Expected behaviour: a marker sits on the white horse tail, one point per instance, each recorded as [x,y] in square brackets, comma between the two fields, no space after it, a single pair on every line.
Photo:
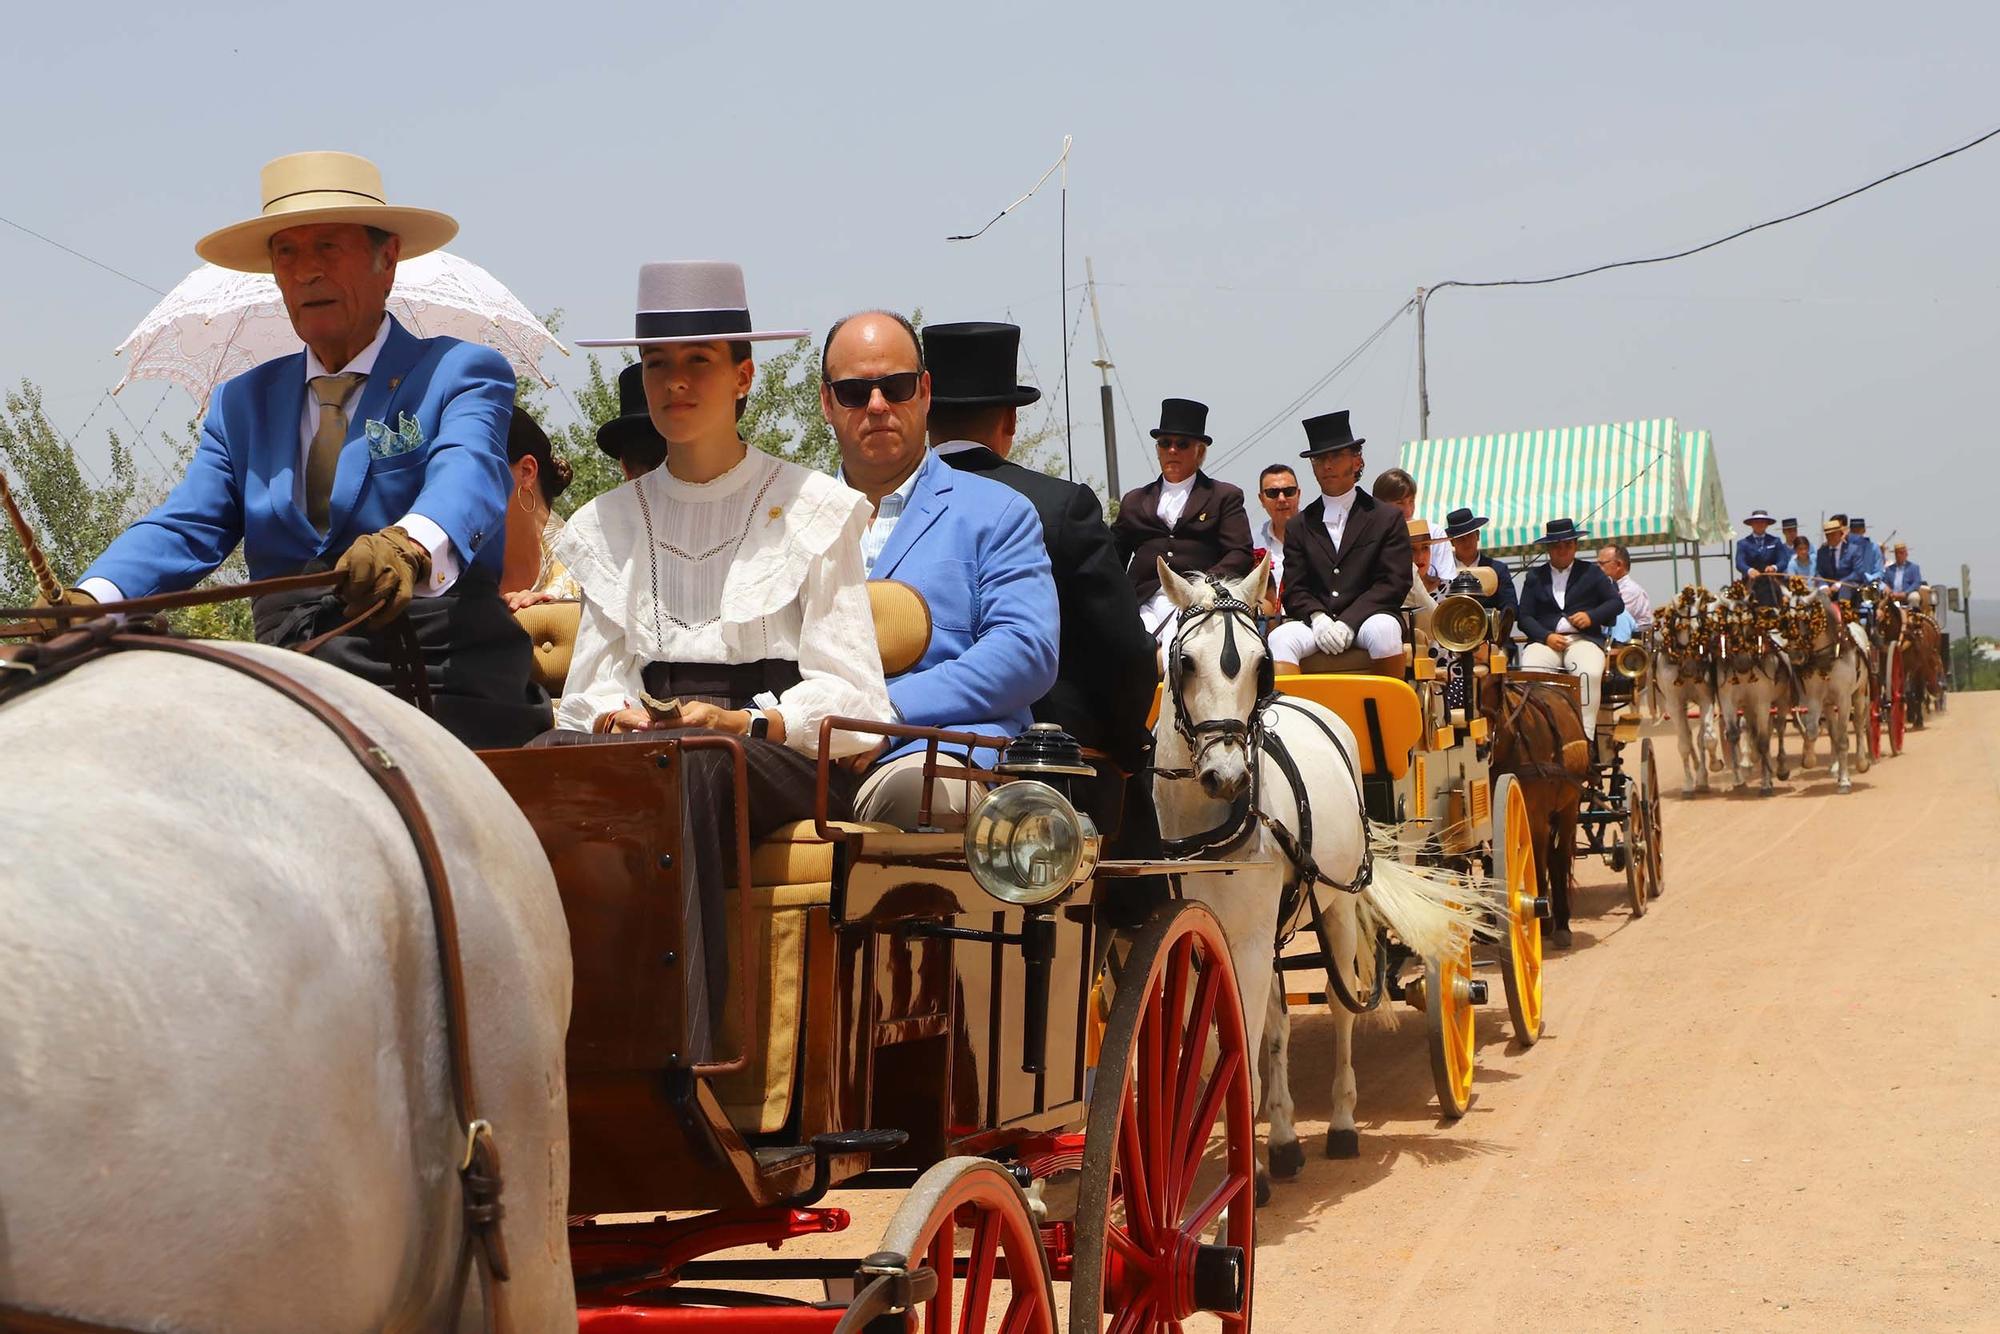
[1432,910]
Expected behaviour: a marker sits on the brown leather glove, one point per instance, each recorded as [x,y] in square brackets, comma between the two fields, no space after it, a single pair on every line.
[388,564]
[76,597]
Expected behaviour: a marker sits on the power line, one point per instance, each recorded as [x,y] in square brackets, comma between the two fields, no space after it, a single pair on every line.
[1723,240]
[80,255]
[1282,415]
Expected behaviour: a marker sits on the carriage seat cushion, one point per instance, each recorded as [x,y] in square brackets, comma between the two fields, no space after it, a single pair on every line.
[551,628]
[793,854]
[1398,713]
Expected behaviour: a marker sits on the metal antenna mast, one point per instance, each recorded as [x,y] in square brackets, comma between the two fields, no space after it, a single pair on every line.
[1103,364]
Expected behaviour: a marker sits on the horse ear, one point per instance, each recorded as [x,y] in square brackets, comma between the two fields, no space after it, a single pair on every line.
[1249,590]
[1180,590]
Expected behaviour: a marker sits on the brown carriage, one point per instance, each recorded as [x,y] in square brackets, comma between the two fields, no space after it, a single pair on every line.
[902,1015]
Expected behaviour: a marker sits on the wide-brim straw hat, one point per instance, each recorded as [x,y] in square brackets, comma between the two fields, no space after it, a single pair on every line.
[1420,530]
[692,301]
[302,189]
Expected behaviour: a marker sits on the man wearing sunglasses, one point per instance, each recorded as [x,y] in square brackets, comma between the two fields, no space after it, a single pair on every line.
[1278,493]
[971,546]
[1197,523]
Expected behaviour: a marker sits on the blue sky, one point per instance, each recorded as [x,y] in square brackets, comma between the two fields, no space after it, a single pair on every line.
[1260,186]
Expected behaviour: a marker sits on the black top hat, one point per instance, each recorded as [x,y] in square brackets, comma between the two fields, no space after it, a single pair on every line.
[1561,530]
[1327,433]
[1788,523]
[1857,522]
[1460,522]
[972,365]
[1183,416]
[634,422]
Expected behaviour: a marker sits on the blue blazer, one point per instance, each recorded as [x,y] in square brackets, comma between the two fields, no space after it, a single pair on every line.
[1590,590]
[241,482]
[974,549]
[1904,578]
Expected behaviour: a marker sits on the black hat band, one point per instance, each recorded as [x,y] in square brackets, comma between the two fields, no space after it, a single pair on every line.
[691,323]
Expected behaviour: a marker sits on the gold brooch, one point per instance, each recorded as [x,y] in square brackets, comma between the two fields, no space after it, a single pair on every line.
[1201,517]
[776,510]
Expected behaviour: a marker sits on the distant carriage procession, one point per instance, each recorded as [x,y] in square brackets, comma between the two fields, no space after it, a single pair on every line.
[904,893]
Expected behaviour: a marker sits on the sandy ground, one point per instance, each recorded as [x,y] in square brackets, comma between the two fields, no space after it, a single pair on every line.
[1766,1105]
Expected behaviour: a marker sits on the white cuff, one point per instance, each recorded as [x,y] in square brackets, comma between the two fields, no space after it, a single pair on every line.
[444,556]
[101,589]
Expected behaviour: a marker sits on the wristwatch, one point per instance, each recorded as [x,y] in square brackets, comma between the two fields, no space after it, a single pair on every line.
[760,723]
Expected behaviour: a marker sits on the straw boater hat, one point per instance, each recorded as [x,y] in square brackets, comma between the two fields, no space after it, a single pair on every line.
[306,188]
[1420,530]
[691,301]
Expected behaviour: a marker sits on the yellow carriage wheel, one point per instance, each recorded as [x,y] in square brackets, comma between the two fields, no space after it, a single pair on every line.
[1448,1016]
[1521,941]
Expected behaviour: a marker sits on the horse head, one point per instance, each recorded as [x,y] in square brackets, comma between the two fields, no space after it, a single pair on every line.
[1217,669]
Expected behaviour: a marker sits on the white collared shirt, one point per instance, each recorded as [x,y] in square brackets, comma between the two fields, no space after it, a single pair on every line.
[1274,547]
[1174,499]
[1559,589]
[883,525]
[444,557]
[1637,604]
[1337,509]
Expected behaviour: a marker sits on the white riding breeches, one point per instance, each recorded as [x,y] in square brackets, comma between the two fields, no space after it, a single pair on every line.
[1583,660]
[1380,636]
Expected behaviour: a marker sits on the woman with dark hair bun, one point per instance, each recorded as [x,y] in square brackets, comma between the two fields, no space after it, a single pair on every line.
[530,572]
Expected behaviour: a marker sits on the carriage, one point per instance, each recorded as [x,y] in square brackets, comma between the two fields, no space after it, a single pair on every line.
[1425,774]
[1620,820]
[910,1011]
[1888,688]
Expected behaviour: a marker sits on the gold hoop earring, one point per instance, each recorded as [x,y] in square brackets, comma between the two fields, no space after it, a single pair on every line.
[521,494]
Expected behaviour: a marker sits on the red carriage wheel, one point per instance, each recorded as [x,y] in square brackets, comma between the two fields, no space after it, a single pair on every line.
[1874,716]
[999,1282]
[1165,1220]
[1898,699]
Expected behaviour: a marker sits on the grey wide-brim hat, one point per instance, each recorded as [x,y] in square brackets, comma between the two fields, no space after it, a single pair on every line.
[692,301]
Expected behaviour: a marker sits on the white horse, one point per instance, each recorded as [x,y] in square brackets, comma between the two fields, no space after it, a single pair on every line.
[1751,680]
[225,1101]
[1683,677]
[1833,679]
[1203,733]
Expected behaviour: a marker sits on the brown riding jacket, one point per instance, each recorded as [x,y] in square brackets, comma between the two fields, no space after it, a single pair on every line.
[1213,534]
[1370,573]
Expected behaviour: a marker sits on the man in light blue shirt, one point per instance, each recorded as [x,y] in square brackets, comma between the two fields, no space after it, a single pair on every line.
[1903,577]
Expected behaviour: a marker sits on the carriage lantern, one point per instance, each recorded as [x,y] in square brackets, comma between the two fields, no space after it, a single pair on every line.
[1025,843]
[1460,622]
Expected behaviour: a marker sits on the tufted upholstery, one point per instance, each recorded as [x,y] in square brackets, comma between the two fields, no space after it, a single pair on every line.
[552,628]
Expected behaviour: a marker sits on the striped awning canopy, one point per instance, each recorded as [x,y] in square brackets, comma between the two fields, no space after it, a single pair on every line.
[1643,483]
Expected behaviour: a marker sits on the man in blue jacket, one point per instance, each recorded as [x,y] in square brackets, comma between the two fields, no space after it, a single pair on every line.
[1566,606]
[970,545]
[1761,559]
[1864,558]
[1461,529]
[372,452]
[1903,577]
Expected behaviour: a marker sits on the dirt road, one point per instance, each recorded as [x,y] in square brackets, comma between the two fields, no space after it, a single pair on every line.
[1770,1104]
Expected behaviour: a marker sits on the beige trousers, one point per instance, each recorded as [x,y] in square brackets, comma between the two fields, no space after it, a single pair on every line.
[1583,660]
[893,793]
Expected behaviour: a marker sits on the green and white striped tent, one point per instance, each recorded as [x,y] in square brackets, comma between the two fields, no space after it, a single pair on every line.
[1644,483]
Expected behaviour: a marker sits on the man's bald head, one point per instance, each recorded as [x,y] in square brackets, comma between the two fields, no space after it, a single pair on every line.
[881,440]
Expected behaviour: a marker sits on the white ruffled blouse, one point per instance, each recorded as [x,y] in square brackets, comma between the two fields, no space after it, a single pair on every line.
[763,562]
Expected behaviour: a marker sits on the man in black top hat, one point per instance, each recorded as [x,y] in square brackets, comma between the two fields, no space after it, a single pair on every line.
[1197,523]
[1105,671]
[1566,606]
[631,437]
[1347,561]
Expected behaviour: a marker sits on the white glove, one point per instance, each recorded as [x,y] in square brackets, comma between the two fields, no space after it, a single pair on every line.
[1332,636]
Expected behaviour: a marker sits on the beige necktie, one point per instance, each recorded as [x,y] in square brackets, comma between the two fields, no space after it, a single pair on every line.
[324,458]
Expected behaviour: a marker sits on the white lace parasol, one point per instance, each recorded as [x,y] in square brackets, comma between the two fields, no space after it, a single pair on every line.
[217,323]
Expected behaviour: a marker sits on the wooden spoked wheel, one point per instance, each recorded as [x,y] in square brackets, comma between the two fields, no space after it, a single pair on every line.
[1649,796]
[967,1222]
[1448,1020]
[1874,714]
[1634,828]
[1166,1225]
[1521,938]
[1898,699]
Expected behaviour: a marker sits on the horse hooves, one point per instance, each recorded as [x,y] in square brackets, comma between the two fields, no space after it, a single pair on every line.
[1687,793]
[1561,938]
[1343,1144]
[1263,1188]
[1287,1160]
[1843,786]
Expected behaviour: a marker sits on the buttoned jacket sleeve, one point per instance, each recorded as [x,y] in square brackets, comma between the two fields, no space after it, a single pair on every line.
[467,481]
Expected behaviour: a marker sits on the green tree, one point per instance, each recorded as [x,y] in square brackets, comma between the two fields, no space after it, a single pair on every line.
[72,515]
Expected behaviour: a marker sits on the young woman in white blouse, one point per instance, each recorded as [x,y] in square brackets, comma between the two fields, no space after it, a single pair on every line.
[728,580]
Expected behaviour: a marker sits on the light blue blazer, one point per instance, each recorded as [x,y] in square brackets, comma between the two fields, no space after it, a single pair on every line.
[974,549]
[241,484]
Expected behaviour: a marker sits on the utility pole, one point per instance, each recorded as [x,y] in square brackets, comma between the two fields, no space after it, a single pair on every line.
[1965,610]
[1423,378]
[1103,364]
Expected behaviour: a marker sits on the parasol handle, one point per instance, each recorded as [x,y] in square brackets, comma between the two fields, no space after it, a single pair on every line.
[45,582]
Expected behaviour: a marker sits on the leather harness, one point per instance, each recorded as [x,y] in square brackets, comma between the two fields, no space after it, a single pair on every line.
[25,667]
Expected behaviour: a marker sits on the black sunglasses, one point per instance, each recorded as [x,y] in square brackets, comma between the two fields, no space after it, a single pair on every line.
[898,388]
[1280,492]
[1176,446]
